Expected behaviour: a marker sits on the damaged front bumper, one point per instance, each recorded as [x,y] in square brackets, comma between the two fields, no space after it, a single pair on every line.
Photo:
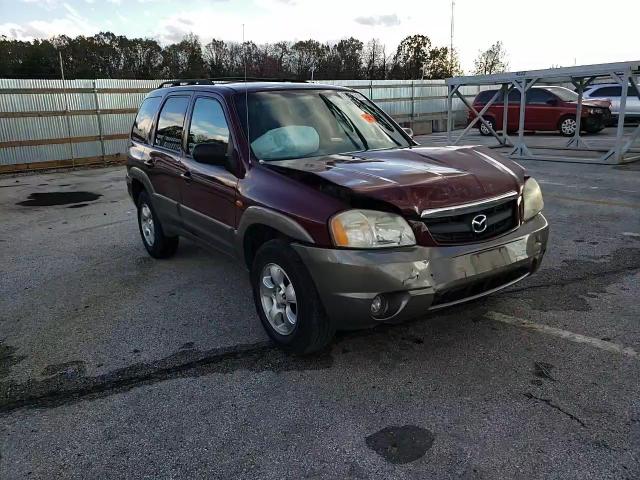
[413,280]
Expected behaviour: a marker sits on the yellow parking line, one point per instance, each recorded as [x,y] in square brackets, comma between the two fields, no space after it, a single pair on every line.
[572,337]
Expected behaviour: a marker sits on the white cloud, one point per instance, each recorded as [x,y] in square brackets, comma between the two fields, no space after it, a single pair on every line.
[382,20]
[71,24]
[45,29]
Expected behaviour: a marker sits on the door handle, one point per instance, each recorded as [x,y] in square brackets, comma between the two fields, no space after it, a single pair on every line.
[186,176]
[150,162]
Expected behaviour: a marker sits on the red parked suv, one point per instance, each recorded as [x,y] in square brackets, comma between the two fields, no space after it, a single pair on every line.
[547,109]
[342,220]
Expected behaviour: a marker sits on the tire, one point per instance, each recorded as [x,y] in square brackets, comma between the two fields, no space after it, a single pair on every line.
[158,244]
[300,326]
[484,130]
[567,126]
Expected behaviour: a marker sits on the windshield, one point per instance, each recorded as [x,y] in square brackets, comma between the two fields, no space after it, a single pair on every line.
[564,94]
[308,123]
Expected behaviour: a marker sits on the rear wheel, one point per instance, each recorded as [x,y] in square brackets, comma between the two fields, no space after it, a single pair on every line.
[568,126]
[158,244]
[483,128]
[287,300]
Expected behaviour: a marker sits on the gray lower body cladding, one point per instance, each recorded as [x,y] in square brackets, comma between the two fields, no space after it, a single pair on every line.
[414,280]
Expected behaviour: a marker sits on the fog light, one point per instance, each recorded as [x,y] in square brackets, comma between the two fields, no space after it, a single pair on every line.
[378,306]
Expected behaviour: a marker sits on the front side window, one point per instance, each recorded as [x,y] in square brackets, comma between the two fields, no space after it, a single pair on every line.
[514,96]
[171,122]
[144,119]
[309,123]
[208,124]
[486,95]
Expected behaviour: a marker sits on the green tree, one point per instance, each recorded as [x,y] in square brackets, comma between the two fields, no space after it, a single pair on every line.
[411,57]
[184,59]
[141,58]
[307,55]
[349,56]
[441,64]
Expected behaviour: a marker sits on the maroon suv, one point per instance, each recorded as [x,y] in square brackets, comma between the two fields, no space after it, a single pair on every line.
[546,109]
[341,218]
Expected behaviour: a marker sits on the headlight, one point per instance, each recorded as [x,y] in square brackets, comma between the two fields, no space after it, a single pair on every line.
[595,111]
[370,229]
[532,198]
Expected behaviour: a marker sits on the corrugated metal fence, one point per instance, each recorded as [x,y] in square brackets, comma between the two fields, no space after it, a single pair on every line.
[50,123]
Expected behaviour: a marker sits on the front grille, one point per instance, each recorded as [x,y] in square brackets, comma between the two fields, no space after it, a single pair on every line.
[458,228]
[478,287]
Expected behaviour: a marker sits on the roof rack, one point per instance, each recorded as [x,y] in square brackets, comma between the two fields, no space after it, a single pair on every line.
[215,80]
[186,81]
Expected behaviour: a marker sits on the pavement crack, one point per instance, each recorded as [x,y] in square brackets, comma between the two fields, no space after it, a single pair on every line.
[550,403]
[61,389]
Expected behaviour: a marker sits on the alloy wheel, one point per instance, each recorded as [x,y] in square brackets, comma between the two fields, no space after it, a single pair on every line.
[484,130]
[568,126]
[278,298]
[146,223]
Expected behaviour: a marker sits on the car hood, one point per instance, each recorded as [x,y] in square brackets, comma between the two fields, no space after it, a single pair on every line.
[593,103]
[414,179]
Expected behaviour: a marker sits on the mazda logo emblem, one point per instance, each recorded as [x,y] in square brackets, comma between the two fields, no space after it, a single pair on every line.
[479,223]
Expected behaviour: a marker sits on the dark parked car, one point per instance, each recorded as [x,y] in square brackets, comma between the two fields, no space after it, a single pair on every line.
[547,109]
[341,218]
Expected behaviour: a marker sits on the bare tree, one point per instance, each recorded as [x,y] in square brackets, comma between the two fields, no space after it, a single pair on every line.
[493,60]
[374,59]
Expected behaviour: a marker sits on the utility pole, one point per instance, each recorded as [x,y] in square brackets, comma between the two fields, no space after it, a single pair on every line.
[453,4]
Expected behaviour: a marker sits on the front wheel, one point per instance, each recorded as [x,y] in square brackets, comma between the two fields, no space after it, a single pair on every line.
[568,126]
[287,300]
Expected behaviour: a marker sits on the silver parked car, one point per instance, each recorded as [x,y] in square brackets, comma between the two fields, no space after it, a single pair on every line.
[613,91]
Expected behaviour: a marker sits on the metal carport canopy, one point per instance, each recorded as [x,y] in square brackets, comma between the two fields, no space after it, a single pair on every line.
[581,76]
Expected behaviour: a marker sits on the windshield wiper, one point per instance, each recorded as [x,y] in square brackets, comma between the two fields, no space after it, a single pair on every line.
[341,116]
[379,118]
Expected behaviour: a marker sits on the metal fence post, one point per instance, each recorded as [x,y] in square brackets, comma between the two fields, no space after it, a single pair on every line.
[413,102]
[450,91]
[99,118]
[624,83]
[67,113]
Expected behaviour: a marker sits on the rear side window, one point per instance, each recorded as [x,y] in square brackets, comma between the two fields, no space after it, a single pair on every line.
[539,96]
[171,123]
[144,119]
[208,124]
[607,92]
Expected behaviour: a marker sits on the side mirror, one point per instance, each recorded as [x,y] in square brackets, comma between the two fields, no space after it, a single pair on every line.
[211,153]
[552,101]
[408,131]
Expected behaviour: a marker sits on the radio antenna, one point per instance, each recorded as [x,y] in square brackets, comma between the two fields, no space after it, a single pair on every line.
[246,96]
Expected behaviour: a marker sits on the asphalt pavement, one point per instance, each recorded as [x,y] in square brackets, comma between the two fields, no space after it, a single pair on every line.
[115,365]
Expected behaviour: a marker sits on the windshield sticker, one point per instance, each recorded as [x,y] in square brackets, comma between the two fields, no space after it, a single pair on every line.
[368,118]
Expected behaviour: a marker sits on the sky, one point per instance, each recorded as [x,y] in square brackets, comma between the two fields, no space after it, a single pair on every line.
[538,34]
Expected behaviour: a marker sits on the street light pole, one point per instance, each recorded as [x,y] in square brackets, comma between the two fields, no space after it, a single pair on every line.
[453,4]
